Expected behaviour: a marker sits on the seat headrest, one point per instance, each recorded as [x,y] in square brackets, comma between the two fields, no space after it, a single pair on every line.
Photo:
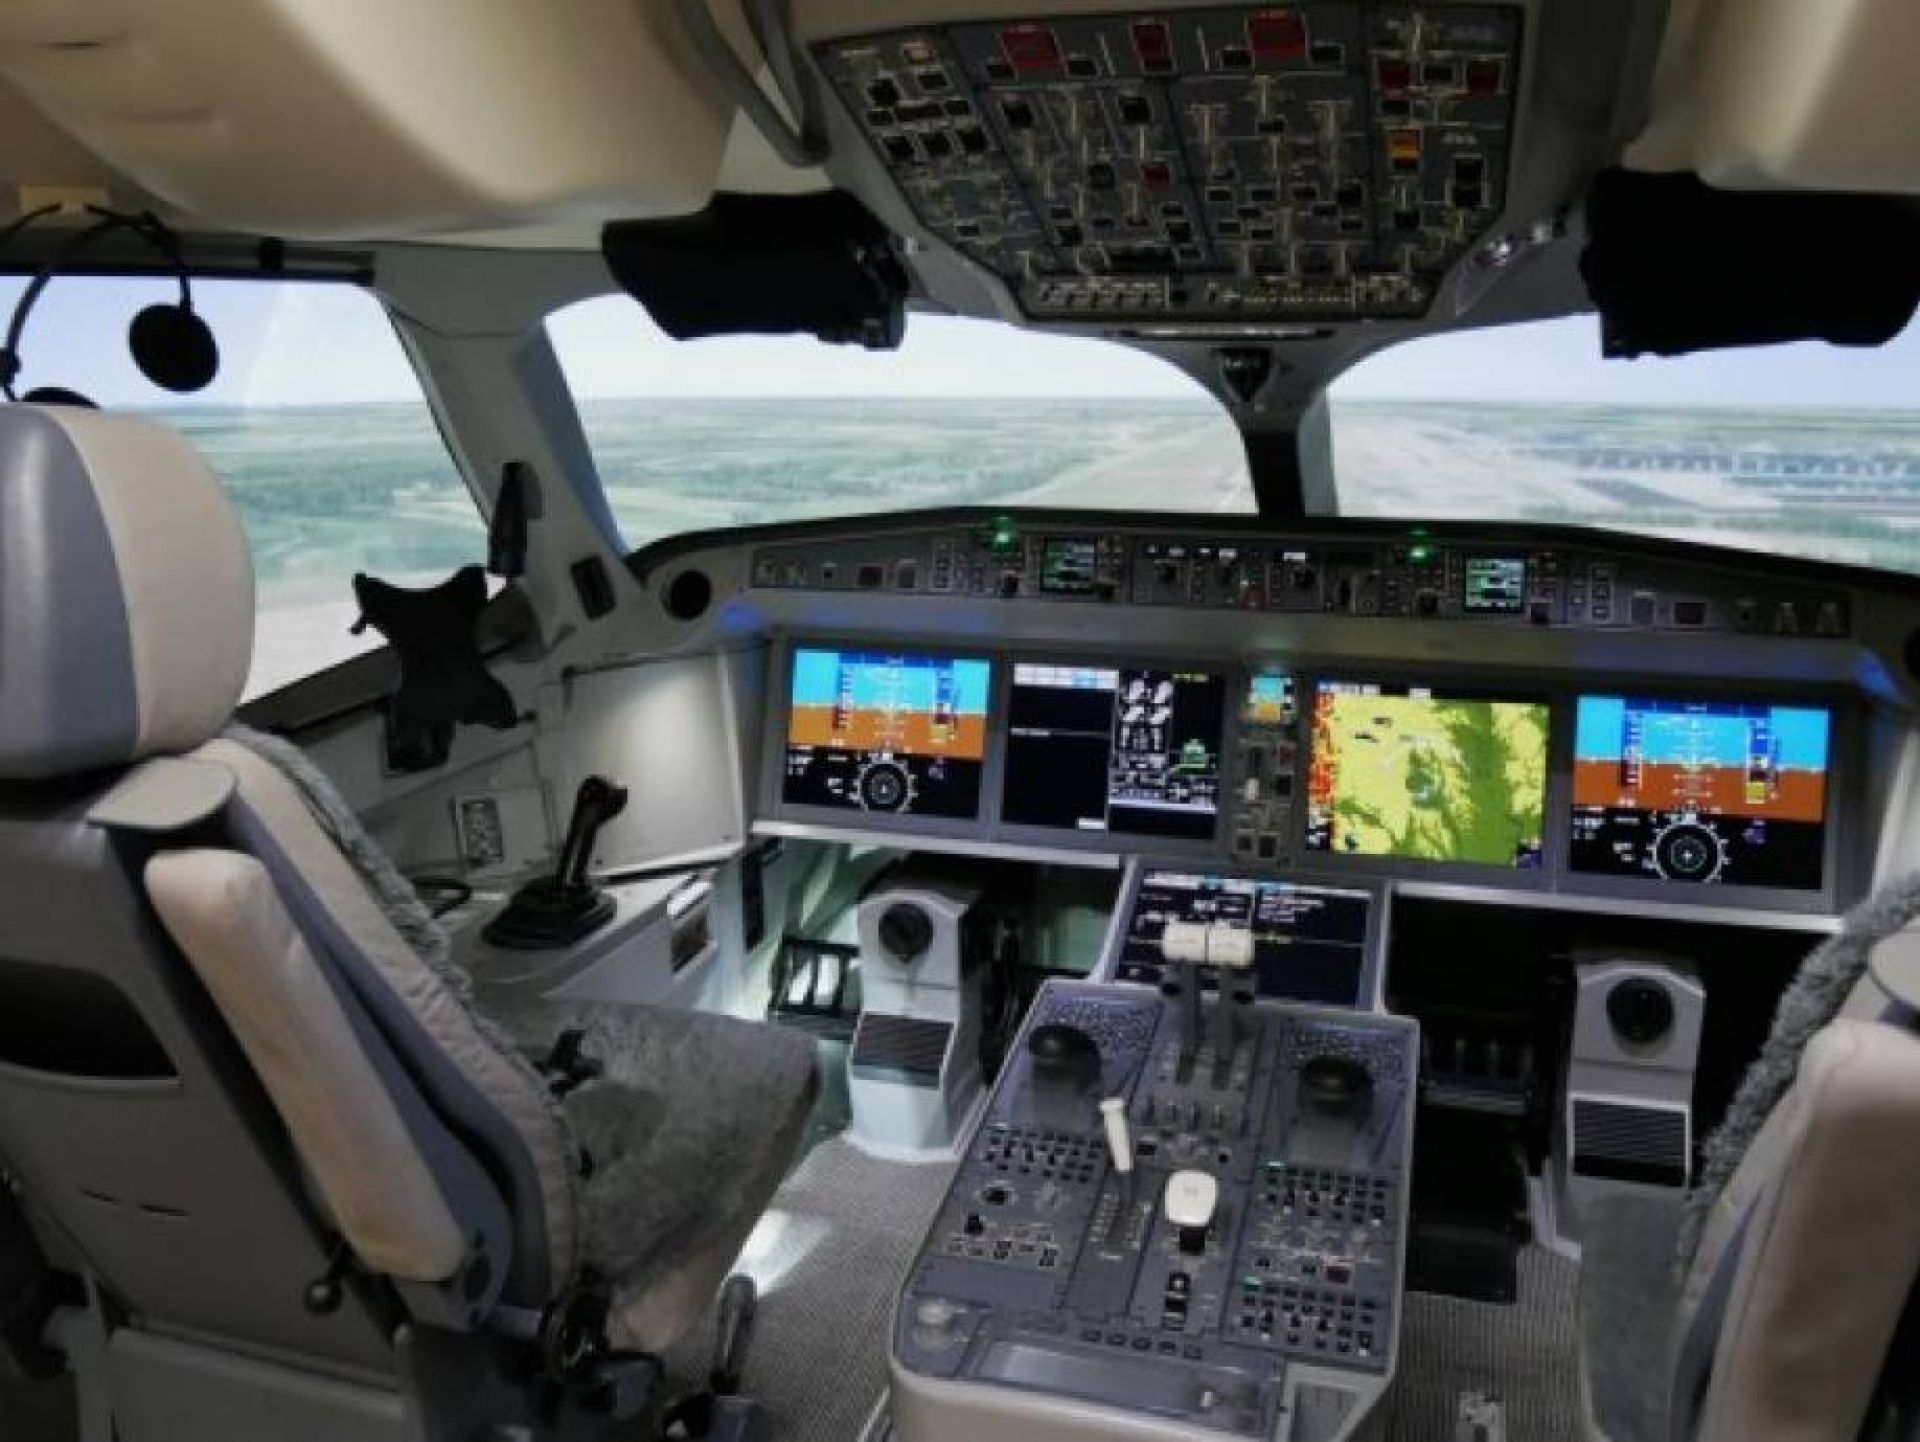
[126,593]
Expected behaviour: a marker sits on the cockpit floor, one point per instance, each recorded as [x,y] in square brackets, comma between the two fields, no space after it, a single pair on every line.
[828,1257]
[1524,1355]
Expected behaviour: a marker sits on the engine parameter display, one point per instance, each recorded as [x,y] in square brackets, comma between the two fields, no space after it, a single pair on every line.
[887,732]
[1700,791]
[1309,942]
[1129,750]
[1426,774]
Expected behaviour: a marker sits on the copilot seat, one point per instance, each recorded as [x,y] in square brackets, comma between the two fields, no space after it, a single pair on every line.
[282,1179]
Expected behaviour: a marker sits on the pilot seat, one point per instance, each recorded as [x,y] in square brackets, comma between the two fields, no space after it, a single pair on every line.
[280,1177]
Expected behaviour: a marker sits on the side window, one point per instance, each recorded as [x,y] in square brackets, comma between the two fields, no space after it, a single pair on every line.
[317,426]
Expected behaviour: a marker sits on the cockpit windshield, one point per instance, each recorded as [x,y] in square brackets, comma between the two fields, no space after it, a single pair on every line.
[744,431]
[1802,450]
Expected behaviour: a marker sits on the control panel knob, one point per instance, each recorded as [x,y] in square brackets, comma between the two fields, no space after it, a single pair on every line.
[905,932]
[936,1314]
[1336,1085]
[1640,1011]
[1064,1056]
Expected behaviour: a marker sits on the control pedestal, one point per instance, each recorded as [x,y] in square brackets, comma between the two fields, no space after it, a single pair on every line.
[1168,1231]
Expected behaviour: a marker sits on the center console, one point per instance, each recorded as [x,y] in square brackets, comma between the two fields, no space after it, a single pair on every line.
[1183,1216]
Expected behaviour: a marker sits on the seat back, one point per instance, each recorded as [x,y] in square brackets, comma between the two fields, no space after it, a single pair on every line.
[1793,1302]
[146,1152]
[225,1067]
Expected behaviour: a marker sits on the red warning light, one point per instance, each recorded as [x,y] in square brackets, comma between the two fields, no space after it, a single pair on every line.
[1153,43]
[1032,49]
[1277,35]
[1156,174]
[1395,77]
[1485,78]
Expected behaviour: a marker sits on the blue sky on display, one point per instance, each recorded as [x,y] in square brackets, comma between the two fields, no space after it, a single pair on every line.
[293,344]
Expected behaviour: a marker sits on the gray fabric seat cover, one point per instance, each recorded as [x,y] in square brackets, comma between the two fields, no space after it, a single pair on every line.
[1628,1285]
[685,1137]
[680,1142]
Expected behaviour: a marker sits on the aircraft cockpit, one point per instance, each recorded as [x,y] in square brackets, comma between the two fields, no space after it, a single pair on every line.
[823,722]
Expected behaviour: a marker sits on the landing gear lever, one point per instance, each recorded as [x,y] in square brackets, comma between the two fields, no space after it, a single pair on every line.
[566,907]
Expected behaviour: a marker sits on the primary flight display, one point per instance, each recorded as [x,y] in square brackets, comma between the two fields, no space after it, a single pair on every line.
[1732,792]
[1426,774]
[887,732]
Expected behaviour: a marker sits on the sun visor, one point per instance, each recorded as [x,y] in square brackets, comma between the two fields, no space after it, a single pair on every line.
[1675,266]
[815,264]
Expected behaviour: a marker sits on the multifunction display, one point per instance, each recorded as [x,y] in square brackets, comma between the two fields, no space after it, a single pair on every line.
[1128,750]
[1495,585]
[1427,774]
[887,732]
[1701,791]
[1309,942]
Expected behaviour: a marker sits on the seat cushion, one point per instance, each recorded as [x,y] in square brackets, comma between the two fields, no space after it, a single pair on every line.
[1628,1283]
[686,1136]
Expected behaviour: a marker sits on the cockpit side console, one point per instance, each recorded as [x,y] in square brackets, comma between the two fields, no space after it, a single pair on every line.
[1175,1221]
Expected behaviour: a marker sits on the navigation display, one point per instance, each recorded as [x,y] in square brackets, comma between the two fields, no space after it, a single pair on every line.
[1700,791]
[1495,585]
[1120,749]
[1427,774]
[1309,942]
[887,732]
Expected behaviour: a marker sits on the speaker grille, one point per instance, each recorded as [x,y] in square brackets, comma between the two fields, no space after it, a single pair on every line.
[903,1047]
[1623,1142]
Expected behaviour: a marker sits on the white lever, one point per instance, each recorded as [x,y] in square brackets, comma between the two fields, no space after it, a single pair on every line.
[1190,1202]
[1113,1111]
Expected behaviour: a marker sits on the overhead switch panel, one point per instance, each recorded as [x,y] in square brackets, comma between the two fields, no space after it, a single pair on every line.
[1322,161]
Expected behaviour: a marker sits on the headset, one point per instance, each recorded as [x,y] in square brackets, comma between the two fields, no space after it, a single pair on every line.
[170,343]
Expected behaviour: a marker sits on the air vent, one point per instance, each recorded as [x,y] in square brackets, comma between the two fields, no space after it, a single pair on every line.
[901,1047]
[688,595]
[1626,1142]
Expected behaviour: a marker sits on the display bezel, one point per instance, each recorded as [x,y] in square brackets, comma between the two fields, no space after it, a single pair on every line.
[1559,688]
[1841,800]
[774,741]
[1232,675]
[1559,778]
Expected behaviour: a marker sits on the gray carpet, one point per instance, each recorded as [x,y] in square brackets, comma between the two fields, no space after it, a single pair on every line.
[1525,1355]
[829,1257]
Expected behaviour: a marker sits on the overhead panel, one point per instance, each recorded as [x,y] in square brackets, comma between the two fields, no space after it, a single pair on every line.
[1316,161]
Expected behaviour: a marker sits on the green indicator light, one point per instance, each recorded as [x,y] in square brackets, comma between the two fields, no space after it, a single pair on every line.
[1252,1284]
[1276,1166]
[1420,555]
[1004,536]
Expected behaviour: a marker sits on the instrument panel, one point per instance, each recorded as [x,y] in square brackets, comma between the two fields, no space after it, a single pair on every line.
[1417,574]
[1553,787]
[1323,160]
